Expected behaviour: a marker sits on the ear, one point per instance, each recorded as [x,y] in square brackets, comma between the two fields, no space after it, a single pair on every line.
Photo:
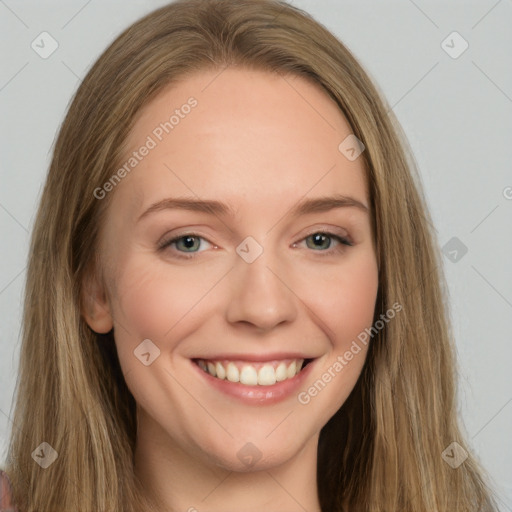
[95,305]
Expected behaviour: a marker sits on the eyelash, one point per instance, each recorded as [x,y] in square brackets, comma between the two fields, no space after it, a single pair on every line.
[344,243]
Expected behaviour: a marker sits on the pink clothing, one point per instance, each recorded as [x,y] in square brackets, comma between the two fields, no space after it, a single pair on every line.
[6,498]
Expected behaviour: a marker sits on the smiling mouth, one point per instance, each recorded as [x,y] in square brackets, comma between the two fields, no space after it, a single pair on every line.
[253,373]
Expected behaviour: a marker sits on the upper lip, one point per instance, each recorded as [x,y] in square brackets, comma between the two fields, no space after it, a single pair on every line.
[257,358]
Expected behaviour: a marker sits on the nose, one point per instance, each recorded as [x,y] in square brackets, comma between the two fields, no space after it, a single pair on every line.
[261,293]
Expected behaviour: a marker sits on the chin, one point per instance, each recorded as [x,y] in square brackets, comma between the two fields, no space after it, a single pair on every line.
[258,454]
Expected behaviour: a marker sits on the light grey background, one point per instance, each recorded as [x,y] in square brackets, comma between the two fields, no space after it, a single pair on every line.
[456,112]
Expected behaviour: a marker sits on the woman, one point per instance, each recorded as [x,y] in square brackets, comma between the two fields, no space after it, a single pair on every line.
[266,370]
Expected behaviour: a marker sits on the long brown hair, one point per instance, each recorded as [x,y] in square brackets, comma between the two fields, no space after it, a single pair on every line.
[382,451]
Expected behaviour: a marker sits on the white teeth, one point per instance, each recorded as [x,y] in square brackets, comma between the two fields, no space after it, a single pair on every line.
[281,373]
[211,368]
[247,374]
[221,372]
[266,376]
[292,370]
[232,373]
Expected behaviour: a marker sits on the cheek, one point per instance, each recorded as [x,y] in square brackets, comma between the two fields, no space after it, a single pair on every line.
[348,313]
[345,298]
[151,298]
[140,299]
[345,309]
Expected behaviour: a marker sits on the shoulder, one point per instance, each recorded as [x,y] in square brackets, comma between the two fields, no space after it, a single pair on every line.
[6,498]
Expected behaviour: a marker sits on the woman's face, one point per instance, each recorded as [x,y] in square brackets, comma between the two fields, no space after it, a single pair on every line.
[254,282]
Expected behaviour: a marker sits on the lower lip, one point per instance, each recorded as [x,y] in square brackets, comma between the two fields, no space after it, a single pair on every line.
[258,395]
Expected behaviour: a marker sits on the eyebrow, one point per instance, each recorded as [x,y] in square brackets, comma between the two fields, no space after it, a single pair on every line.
[316,205]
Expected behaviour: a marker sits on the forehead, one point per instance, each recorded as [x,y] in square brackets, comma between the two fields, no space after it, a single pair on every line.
[244,136]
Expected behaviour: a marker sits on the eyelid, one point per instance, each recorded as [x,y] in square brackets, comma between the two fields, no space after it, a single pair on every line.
[330,230]
[344,241]
[167,240]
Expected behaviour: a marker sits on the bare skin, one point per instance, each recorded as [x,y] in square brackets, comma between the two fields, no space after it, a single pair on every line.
[260,145]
